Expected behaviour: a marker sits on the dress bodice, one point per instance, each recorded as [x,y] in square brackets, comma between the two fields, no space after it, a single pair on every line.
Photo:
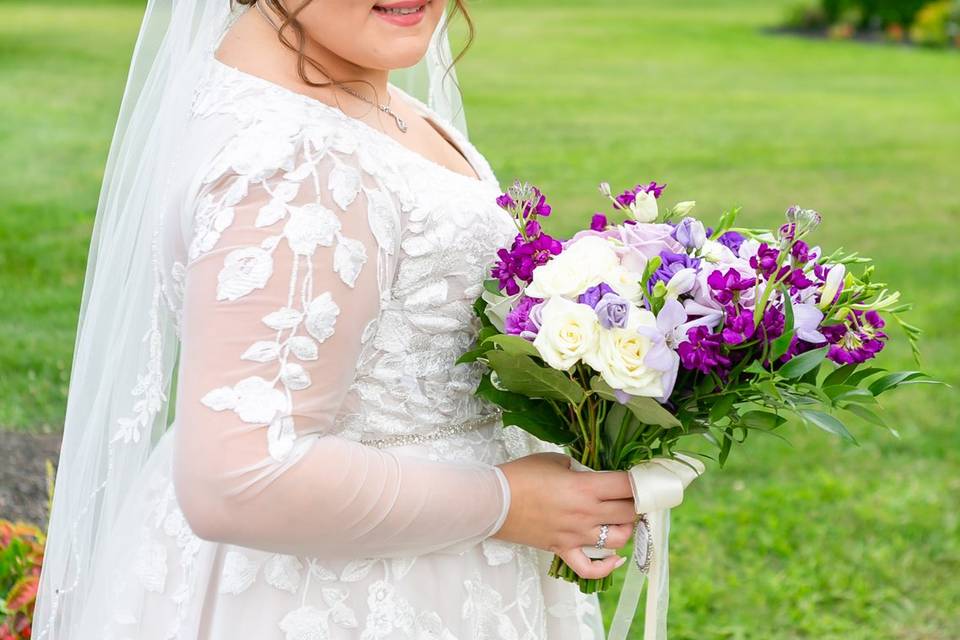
[442,228]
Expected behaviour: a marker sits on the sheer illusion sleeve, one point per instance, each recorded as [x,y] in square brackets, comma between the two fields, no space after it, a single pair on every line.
[284,280]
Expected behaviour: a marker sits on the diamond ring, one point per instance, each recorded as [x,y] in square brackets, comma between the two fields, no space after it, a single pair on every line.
[602,540]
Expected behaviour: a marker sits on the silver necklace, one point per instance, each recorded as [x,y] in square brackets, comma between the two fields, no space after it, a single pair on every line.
[401,123]
[385,108]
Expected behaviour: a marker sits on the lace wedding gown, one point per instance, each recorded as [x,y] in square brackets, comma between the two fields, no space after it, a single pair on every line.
[328,473]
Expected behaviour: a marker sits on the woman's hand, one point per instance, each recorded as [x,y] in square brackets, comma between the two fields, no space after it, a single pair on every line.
[555,508]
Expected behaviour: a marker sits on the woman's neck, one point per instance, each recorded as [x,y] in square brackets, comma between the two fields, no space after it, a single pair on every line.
[254,33]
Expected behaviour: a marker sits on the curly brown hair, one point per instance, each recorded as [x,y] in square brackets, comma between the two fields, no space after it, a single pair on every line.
[289,23]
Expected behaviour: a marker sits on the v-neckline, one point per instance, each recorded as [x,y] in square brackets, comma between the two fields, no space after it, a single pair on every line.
[432,118]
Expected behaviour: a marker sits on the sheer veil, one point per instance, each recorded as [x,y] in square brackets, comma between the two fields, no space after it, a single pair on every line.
[127,339]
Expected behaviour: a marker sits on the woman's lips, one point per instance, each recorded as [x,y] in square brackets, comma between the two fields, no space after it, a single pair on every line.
[405,13]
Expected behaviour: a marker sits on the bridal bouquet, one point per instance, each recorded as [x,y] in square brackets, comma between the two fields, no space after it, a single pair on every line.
[646,330]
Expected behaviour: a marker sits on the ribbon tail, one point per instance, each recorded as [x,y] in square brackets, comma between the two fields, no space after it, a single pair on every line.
[627,604]
[658,585]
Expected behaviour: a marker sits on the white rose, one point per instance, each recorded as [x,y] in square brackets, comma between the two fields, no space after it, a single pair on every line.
[644,207]
[620,353]
[568,332]
[579,266]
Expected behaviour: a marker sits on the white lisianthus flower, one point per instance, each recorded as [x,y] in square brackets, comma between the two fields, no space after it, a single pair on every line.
[568,332]
[626,283]
[685,207]
[644,207]
[681,282]
[832,285]
[498,306]
[621,353]
[713,251]
[580,265]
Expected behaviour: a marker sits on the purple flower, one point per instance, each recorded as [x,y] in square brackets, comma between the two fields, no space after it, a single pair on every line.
[800,252]
[537,205]
[598,222]
[592,295]
[857,339]
[766,260]
[690,233]
[731,240]
[521,259]
[670,264]
[702,351]
[520,321]
[772,323]
[799,280]
[727,286]
[505,201]
[629,196]
[738,325]
[612,311]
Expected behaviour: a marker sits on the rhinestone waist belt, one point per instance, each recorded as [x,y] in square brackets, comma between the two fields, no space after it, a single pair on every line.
[440,432]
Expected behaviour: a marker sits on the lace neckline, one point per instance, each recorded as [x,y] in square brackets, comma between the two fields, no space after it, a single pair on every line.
[444,127]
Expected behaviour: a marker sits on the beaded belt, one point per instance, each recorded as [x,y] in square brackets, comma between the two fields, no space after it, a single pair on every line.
[441,432]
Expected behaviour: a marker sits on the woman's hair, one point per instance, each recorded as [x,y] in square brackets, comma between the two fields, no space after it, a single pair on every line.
[289,23]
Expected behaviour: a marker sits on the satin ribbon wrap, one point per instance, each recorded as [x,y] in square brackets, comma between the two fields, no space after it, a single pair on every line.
[658,486]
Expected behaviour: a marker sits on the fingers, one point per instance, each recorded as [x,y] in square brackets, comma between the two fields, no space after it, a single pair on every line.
[610,485]
[617,536]
[591,569]
[614,511]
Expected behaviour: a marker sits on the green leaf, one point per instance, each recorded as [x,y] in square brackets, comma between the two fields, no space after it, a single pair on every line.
[725,445]
[520,374]
[779,346]
[472,355]
[722,407]
[860,375]
[513,344]
[761,420]
[554,430]
[493,286]
[647,410]
[803,363]
[826,422]
[839,375]
[892,380]
[861,396]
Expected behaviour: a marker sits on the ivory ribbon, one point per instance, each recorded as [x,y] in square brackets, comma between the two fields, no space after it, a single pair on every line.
[658,486]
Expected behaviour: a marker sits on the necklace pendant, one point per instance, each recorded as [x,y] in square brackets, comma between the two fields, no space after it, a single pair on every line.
[401,124]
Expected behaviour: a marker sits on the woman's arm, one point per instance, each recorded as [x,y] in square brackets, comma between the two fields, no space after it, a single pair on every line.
[284,280]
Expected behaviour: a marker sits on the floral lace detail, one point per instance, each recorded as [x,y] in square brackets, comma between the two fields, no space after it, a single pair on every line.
[425,221]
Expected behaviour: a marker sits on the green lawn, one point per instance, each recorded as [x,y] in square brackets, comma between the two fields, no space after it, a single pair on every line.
[811,540]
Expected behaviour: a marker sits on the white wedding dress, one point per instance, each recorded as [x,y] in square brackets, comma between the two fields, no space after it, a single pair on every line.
[329,472]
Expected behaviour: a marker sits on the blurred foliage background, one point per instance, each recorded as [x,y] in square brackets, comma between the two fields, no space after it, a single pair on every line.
[808,539]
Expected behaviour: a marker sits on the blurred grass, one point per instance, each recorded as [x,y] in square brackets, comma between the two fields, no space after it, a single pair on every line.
[811,540]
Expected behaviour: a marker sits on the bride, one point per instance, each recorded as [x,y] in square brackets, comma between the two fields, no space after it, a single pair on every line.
[286,252]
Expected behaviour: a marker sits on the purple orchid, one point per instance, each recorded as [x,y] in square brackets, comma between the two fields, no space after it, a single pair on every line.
[703,351]
[737,326]
[766,260]
[598,222]
[726,287]
[629,196]
[857,339]
[522,258]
